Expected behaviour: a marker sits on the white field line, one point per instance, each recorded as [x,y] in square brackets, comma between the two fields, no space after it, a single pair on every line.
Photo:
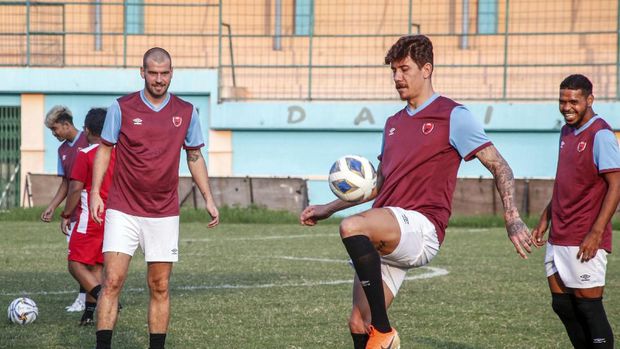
[432,272]
[272,237]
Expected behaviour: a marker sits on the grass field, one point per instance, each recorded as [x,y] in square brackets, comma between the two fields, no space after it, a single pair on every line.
[286,286]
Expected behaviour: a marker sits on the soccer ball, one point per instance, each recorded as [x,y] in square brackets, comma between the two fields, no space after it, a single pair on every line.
[22,311]
[352,178]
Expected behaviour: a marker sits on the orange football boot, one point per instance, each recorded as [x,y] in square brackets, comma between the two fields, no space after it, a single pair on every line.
[378,340]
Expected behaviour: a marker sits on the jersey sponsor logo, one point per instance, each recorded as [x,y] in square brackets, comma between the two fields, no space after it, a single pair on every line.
[581,146]
[177,121]
[137,121]
[584,278]
[392,131]
[428,128]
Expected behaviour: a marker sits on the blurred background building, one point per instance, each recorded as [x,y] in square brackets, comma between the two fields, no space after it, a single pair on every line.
[284,87]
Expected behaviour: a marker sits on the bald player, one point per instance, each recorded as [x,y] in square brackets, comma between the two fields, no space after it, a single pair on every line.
[149,128]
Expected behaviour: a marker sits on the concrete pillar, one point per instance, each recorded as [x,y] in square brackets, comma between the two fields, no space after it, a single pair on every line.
[220,153]
[32,142]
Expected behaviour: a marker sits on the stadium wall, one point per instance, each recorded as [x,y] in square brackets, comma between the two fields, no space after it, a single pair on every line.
[275,138]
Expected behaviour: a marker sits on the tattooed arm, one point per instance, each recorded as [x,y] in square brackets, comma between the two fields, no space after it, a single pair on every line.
[518,232]
[200,175]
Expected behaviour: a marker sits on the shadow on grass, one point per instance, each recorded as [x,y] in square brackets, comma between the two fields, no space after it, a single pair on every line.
[443,344]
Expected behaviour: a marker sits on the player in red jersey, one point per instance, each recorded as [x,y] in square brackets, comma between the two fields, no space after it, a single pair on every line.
[585,196]
[84,255]
[423,146]
[149,129]
[60,121]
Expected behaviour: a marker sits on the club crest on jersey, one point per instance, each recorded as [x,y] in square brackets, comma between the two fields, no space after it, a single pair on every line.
[428,128]
[177,121]
[581,146]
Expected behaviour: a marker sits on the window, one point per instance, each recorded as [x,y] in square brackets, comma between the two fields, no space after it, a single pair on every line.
[487,16]
[134,17]
[304,17]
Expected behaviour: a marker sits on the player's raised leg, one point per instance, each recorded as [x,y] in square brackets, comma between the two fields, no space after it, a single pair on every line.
[366,237]
[115,269]
[159,304]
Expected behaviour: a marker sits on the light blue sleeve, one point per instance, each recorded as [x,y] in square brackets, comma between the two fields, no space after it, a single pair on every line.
[466,133]
[112,125]
[60,170]
[606,151]
[193,138]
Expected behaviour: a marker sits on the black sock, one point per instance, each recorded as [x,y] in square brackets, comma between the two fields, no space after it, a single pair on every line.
[593,313]
[104,339]
[157,340]
[89,310]
[359,340]
[95,291]
[367,263]
[82,289]
[563,306]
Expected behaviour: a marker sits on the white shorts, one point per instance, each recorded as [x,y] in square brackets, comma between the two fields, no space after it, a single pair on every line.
[158,237]
[417,247]
[574,273]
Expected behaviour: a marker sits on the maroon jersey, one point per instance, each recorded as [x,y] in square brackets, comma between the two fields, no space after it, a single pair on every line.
[67,152]
[579,189]
[148,150]
[421,157]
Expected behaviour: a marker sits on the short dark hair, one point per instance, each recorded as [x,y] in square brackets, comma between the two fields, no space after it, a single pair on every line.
[577,82]
[94,120]
[418,47]
[157,54]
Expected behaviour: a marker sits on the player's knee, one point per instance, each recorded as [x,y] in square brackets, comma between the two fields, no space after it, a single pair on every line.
[113,284]
[351,226]
[158,286]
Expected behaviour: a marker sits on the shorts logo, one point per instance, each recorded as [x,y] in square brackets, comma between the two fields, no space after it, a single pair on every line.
[174,251]
[581,146]
[405,219]
[585,278]
[137,121]
[177,121]
[428,128]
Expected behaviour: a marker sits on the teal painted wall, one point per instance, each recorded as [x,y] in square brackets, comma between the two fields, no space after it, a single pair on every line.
[292,138]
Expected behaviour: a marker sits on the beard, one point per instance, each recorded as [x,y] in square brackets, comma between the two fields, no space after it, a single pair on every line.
[155,93]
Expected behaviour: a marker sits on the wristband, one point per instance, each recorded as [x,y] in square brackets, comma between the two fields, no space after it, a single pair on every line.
[65,216]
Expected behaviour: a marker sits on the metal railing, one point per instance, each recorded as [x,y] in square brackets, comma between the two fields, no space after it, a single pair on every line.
[497,50]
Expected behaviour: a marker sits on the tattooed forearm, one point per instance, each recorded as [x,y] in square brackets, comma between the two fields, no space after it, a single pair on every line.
[504,179]
[193,155]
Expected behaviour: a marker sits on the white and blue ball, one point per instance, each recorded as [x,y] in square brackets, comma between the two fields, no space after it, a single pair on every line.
[23,311]
[352,178]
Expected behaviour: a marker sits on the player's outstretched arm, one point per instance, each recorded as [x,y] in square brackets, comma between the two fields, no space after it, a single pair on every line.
[100,166]
[200,175]
[73,198]
[538,233]
[314,213]
[61,193]
[592,242]
[518,232]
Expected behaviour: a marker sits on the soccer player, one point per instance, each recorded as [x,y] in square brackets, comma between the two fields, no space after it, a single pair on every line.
[149,128]
[423,145]
[85,259]
[60,121]
[585,196]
